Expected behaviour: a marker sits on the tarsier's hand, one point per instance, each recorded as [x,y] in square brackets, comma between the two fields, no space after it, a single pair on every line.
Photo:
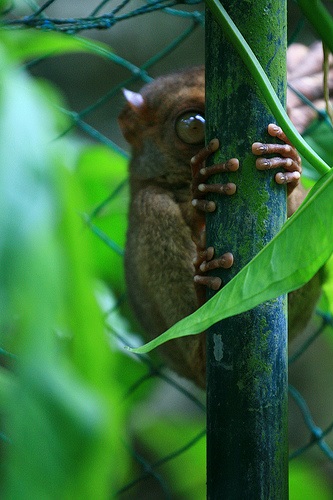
[205,257]
[305,75]
[287,158]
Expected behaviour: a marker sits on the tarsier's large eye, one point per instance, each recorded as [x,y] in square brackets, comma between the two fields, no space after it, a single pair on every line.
[190,127]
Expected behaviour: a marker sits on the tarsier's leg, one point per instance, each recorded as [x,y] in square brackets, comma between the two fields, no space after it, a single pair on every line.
[287,158]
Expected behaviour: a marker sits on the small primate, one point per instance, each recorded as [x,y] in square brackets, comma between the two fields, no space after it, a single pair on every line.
[165,258]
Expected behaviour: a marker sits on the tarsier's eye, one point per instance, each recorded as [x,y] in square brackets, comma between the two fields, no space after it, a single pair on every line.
[190,127]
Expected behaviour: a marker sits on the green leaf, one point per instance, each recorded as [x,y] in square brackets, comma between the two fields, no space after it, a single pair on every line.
[320,137]
[326,302]
[3,5]
[320,18]
[57,420]
[307,482]
[102,174]
[25,45]
[165,439]
[294,255]
[61,413]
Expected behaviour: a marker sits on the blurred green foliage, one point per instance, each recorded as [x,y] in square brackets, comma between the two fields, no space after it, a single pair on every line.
[319,137]
[307,483]
[100,171]
[60,396]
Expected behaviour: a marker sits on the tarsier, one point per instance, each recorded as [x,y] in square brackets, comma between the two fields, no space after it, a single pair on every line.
[165,261]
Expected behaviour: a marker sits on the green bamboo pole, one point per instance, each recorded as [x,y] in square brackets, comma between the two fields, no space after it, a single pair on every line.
[247,354]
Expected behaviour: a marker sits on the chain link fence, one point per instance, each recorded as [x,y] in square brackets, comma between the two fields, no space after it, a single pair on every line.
[141,40]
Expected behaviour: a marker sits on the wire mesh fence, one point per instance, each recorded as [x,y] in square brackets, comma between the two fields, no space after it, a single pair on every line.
[152,393]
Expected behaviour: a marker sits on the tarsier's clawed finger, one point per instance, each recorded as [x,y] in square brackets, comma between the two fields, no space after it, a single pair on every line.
[201,173]
[223,262]
[209,263]
[210,206]
[276,131]
[198,160]
[288,158]
[212,282]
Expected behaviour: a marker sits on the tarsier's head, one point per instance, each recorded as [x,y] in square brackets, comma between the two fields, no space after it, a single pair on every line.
[165,122]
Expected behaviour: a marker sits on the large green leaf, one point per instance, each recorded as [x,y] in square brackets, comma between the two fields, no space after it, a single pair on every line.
[296,253]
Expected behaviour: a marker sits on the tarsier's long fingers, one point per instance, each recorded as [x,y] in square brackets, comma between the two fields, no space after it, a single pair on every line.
[289,158]
[198,160]
[223,262]
[208,263]
[200,174]
[205,260]
[210,206]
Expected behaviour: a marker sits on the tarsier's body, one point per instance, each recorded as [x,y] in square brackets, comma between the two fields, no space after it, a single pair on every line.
[163,221]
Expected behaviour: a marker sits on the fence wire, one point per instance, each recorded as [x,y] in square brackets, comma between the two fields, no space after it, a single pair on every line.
[104,16]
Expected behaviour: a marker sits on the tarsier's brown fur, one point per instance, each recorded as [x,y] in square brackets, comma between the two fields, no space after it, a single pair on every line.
[160,250]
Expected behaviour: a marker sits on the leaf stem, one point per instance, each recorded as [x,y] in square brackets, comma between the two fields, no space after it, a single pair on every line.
[320,19]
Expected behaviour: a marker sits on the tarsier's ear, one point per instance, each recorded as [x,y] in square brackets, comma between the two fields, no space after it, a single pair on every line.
[131,116]
[134,99]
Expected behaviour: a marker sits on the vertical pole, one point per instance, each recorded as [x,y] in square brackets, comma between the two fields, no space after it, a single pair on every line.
[247,354]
